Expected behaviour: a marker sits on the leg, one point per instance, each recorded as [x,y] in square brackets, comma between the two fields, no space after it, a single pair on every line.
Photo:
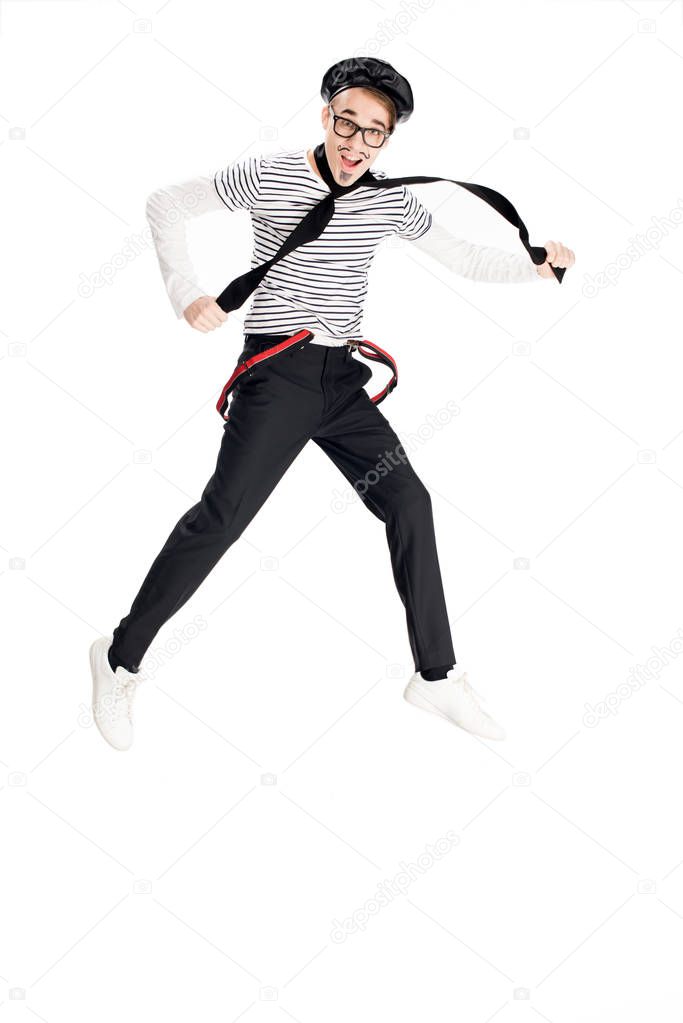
[269,424]
[362,444]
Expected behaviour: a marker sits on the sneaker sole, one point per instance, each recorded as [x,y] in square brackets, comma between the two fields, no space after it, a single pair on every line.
[94,655]
[415,697]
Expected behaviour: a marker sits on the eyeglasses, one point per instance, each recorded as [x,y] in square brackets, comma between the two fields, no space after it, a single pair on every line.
[346,129]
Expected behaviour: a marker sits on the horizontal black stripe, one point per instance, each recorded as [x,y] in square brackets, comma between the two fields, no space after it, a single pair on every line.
[322,284]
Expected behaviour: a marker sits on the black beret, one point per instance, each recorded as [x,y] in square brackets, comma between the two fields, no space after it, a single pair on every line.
[369,72]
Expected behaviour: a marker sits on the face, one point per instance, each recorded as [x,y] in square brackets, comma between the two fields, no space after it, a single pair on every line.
[360,106]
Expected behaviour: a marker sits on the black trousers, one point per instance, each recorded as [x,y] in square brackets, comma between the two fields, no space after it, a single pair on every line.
[314,392]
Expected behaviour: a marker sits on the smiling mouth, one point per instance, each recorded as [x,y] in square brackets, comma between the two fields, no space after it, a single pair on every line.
[349,164]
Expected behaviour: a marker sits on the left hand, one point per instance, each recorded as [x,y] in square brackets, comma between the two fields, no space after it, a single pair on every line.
[558,255]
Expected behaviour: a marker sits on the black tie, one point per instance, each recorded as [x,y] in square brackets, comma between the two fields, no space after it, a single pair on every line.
[317,219]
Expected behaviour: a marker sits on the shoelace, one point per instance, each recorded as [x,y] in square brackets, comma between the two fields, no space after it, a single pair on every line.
[131,689]
[124,692]
[470,691]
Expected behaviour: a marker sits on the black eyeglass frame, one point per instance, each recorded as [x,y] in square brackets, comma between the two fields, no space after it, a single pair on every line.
[357,127]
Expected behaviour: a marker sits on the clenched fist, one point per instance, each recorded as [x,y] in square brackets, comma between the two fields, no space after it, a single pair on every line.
[205,314]
[558,255]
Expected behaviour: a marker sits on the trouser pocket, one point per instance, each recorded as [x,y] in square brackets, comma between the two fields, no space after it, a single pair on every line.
[250,348]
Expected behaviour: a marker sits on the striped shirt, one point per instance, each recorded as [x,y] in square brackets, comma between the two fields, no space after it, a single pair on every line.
[322,285]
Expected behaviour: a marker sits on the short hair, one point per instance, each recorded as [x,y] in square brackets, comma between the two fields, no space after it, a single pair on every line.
[386,102]
[381,97]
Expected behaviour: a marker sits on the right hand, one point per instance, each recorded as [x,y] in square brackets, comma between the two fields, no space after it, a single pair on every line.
[205,314]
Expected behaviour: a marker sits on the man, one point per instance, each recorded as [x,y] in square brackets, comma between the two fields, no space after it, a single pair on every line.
[313,391]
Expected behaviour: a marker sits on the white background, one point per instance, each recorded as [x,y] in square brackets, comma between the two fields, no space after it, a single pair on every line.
[277,776]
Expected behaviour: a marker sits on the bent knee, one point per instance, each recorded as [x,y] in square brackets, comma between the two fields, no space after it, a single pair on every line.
[414,497]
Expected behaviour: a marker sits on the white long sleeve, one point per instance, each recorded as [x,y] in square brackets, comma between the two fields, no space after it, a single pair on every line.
[478,262]
[167,211]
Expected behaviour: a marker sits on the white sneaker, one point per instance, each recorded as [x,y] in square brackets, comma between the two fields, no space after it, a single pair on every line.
[455,699]
[112,696]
